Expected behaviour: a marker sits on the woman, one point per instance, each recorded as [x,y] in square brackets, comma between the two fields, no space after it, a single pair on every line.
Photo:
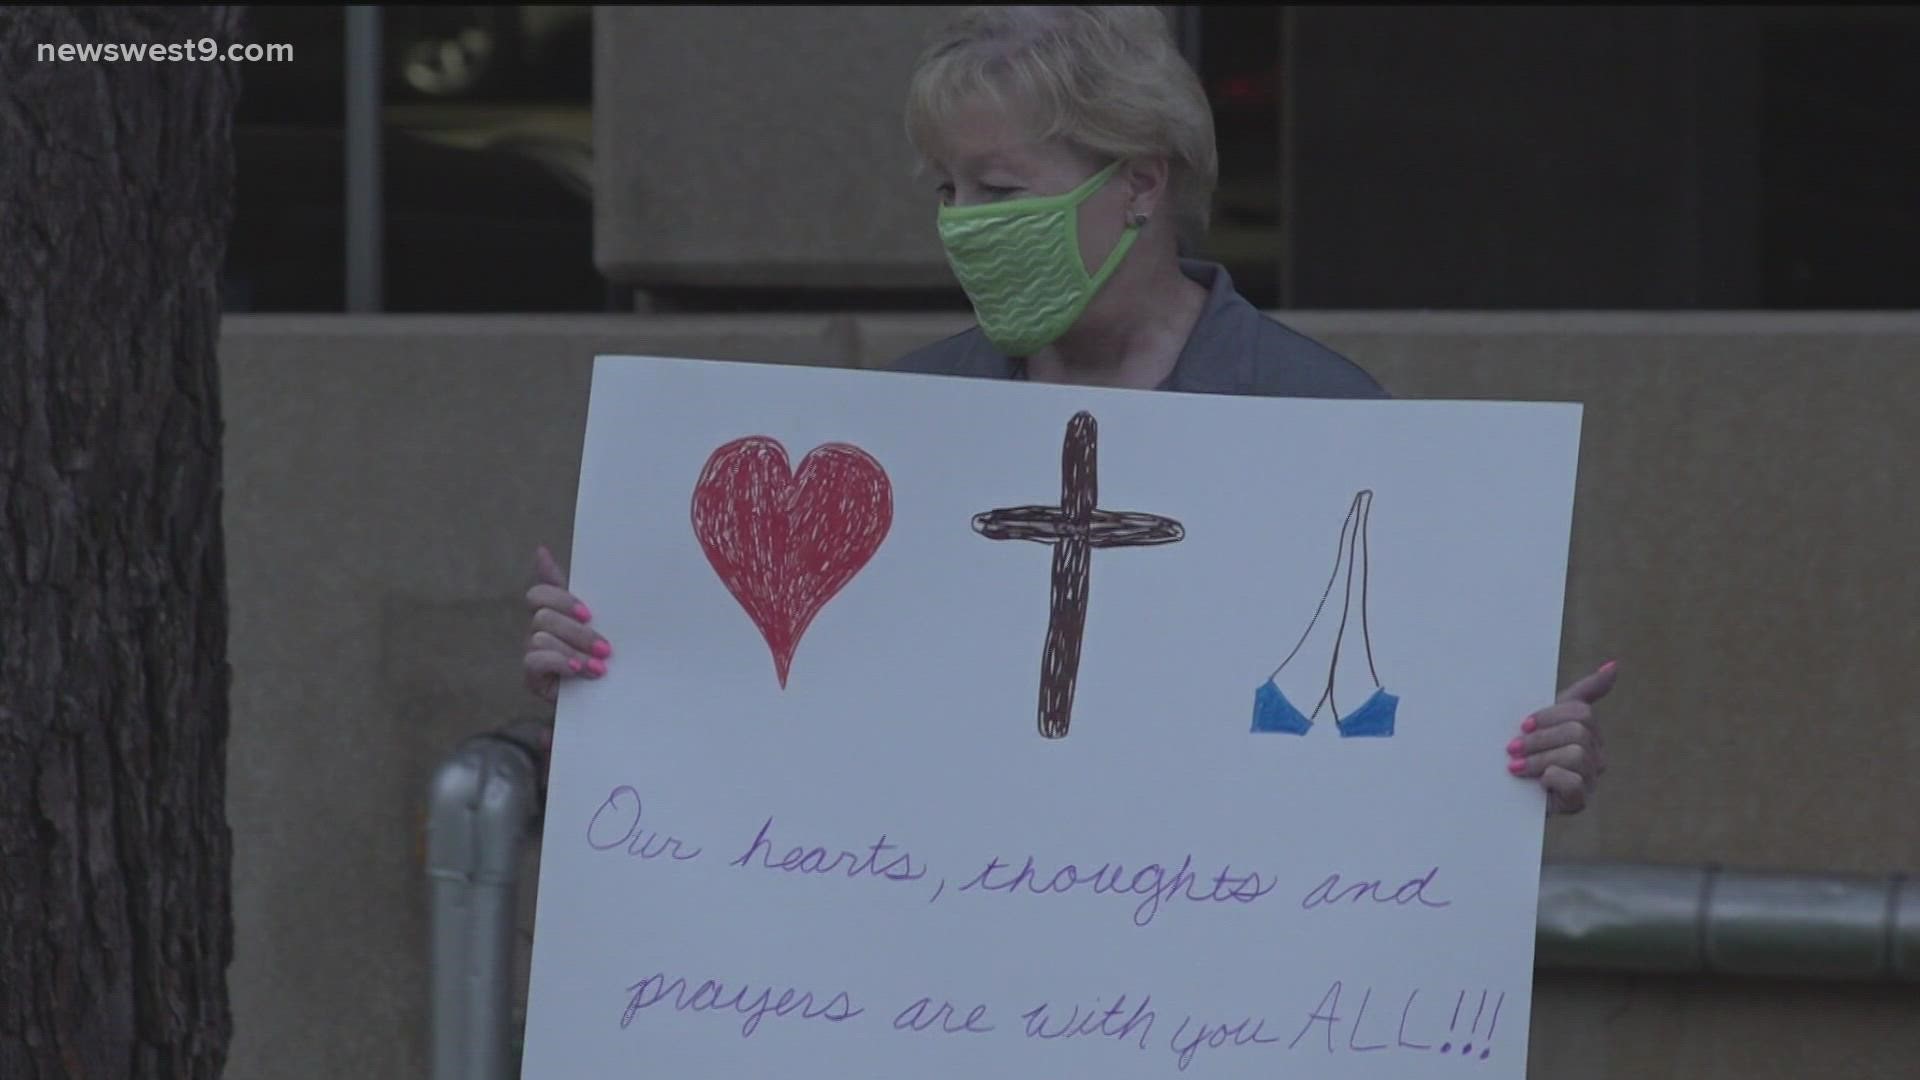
[1072,149]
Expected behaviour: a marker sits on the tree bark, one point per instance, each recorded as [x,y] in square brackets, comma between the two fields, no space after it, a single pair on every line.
[116,180]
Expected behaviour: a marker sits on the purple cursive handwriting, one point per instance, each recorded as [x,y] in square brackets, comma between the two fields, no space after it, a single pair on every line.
[1214,1036]
[617,824]
[1044,1021]
[819,860]
[713,996]
[1334,891]
[1154,882]
[924,1015]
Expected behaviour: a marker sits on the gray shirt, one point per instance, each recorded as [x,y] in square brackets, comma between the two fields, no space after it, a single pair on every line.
[1234,349]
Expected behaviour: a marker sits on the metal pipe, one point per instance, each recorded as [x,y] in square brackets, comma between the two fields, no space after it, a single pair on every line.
[1706,920]
[483,804]
[365,223]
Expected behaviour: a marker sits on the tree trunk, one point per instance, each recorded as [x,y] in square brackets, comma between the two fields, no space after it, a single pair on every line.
[116,180]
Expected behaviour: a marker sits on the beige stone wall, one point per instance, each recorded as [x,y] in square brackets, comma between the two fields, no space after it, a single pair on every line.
[1743,543]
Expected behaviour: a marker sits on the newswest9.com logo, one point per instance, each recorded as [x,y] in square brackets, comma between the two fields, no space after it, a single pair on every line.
[199,50]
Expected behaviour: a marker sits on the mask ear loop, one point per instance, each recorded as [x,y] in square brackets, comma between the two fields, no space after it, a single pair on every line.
[1338,552]
[1356,516]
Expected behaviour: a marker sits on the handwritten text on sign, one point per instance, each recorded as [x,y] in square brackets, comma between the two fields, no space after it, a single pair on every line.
[618,827]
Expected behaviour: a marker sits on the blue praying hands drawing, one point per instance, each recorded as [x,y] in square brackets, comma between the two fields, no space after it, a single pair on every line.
[1374,718]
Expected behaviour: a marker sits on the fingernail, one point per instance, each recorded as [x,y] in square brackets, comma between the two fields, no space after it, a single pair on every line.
[602,650]
[1608,666]
[1515,765]
[580,612]
[597,668]
[573,666]
[1513,749]
[1529,724]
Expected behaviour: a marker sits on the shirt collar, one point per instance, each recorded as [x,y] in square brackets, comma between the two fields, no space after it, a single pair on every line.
[1213,360]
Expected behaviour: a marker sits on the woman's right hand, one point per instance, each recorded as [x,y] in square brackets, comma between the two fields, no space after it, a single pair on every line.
[560,644]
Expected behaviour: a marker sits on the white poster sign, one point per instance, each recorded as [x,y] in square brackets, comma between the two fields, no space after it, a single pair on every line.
[961,728]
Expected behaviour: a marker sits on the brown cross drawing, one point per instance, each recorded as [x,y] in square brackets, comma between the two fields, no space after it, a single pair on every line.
[1074,528]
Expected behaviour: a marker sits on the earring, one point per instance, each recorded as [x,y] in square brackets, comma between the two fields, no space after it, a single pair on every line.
[1137,219]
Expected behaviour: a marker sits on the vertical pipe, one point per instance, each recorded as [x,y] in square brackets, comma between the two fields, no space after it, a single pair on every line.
[483,803]
[456,788]
[365,227]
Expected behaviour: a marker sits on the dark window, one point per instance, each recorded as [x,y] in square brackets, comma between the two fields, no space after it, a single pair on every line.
[1780,168]
[487,146]
[1840,160]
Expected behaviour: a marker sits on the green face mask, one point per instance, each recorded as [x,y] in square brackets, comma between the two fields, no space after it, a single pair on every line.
[1019,262]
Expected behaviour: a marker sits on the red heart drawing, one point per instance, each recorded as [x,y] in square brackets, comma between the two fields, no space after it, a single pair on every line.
[785,543]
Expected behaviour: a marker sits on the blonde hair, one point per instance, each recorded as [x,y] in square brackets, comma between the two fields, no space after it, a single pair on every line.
[1108,81]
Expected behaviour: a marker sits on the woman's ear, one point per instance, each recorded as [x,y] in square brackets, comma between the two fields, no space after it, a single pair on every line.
[1146,180]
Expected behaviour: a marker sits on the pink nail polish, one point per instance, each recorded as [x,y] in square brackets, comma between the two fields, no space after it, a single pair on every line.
[602,650]
[1515,765]
[580,612]
[1513,749]
[573,666]
[1529,724]
[597,668]
[1608,666]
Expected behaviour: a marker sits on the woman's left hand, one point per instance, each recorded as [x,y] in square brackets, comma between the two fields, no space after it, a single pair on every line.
[1560,745]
